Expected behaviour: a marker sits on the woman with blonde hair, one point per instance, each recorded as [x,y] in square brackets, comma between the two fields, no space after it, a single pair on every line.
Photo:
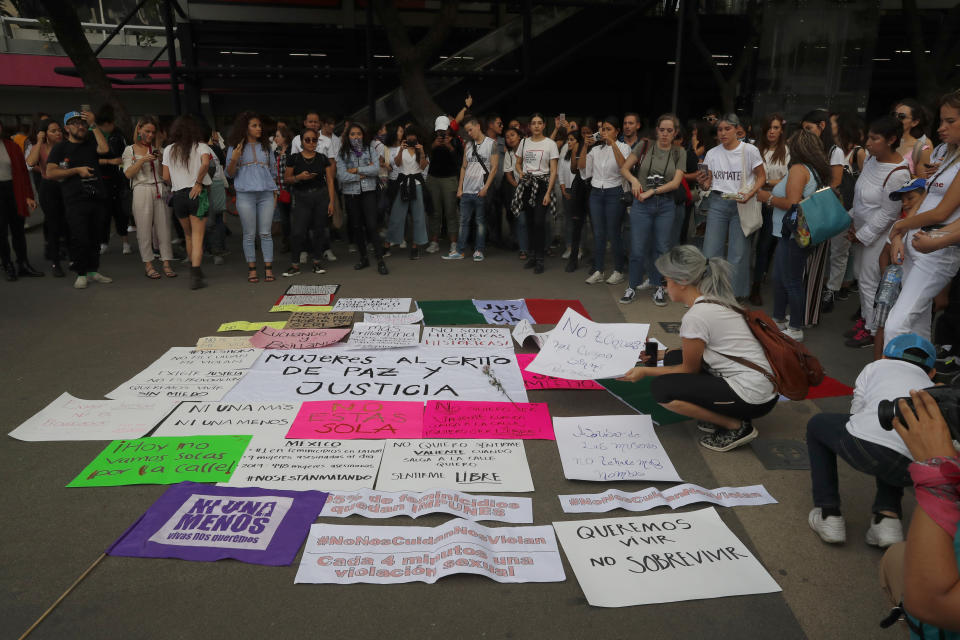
[143,168]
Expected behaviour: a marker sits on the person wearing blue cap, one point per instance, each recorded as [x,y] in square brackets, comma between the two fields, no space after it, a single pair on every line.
[75,162]
[908,363]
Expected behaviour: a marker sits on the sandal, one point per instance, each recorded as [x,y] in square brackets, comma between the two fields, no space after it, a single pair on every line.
[252,277]
[268,275]
[169,272]
[523,255]
[152,273]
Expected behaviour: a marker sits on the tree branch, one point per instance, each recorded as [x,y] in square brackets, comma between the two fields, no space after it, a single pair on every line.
[440,30]
[702,47]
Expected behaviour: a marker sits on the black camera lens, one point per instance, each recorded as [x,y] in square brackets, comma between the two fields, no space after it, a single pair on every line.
[886,412]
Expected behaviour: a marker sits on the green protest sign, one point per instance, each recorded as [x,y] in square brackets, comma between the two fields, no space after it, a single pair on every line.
[164,460]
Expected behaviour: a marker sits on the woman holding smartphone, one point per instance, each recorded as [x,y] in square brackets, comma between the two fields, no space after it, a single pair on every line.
[410,160]
[142,167]
[311,176]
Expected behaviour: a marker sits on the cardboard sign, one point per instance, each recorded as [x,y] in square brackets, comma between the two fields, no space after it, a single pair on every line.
[326,320]
[621,562]
[377,305]
[498,420]
[383,504]
[268,338]
[187,358]
[580,349]
[361,419]
[678,496]
[163,461]
[203,523]
[606,448]
[466,337]
[367,335]
[216,343]
[503,311]
[179,384]
[344,554]
[305,299]
[243,325]
[299,308]
[394,318]
[224,418]
[465,465]
[533,380]
[311,289]
[280,463]
[69,418]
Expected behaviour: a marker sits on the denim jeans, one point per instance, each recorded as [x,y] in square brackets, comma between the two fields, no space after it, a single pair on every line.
[766,243]
[827,436]
[651,222]
[216,236]
[606,211]
[398,217]
[788,264]
[471,203]
[255,209]
[723,230]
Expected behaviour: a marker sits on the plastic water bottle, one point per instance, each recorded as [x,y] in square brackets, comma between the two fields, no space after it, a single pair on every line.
[887,293]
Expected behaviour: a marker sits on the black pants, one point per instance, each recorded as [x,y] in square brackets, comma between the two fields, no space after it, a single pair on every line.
[361,210]
[85,220]
[116,208]
[54,219]
[11,220]
[537,222]
[704,390]
[579,213]
[308,212]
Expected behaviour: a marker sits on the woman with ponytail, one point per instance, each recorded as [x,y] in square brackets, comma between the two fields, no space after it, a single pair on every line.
[702,381]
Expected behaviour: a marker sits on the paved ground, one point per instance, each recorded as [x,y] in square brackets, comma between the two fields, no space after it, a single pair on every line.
[87,342]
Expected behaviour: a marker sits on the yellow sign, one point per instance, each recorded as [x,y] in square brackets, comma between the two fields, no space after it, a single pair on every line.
[243,325]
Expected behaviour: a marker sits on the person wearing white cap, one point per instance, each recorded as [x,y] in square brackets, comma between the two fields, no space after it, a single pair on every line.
[445,154]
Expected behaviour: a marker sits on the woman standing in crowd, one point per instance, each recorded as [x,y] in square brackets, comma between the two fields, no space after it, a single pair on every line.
[729,166]
[701,381]
[311,176]
[601,165]
[575,194]
[280,227]
[808,170]
[142,167]
[251,167]
[410,160]
[772,145]
[185,163]
[660,169]
[391,146]
[913,141]
[358,168]
[16,203]
[537,165]
[512,139]
[50,133]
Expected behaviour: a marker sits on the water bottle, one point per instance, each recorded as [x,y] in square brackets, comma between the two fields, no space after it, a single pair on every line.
[887,293]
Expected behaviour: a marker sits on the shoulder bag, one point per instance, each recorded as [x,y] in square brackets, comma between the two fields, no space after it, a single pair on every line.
[819,216]
[751,216]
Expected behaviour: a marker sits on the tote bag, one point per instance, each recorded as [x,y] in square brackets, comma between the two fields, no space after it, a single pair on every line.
[751,218]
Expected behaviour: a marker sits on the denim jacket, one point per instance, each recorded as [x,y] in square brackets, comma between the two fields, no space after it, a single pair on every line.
[366,177]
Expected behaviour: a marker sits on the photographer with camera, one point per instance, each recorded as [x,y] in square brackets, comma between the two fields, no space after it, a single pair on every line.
[410,161]
[446,154]
[863,438]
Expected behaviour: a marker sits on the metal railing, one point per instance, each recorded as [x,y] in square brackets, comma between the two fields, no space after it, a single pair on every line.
[129,35]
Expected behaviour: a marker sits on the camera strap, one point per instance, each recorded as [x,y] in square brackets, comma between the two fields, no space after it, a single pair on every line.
[476,154]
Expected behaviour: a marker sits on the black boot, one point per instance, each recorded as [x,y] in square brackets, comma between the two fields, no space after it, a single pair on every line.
[538,267]
[382,267]
[58,270]
[530,263]
[11,272]
[196,278]
[363,264]
[25,270]
[572,263]
[414,253]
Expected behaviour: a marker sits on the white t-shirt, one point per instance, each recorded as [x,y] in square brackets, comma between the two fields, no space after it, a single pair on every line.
[408,162]
[328,145]
[726,332]
[938,184]
[776,171]
[537,155]
[602,169]
[389,155]
[184,176]
[837,157]
[873,210]
[473,176]
[883,380]
[510,163]
[564,174]
[727,166]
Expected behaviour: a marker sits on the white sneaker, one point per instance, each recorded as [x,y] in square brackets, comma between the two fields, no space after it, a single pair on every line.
[832,530]
[127,250]
[453,255]
[796,334]
[478,256]
[433,247]
[403,245]
[628,296]
[104,247]
[566,254]
[885,533]
[131,228]
[327,255]
[646,284]
[660,297]
[99,277]
[781,324]
[595,278]
[615,278]
[80,282]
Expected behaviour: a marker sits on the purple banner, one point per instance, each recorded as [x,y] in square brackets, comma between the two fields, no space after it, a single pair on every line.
[200,522]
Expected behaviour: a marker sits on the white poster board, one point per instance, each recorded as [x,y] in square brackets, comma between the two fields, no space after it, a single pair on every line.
[394,318]
[229,419]
[524,330]
[215,343]
[385,504]
[376,305]
[180,384]
[69,418]
[465,465]
[368,335]
[620,562]
[180,358]
[467,337]
[678,496]
[311,289]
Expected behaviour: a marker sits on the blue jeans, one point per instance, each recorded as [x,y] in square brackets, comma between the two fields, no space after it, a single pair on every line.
[723,229]
[398,218]
[788,264]
[471,203]
[255,209]
[651,221]
[827,436]
[606,211]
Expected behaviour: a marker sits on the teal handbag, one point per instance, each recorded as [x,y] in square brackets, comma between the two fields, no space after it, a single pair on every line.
[819,217]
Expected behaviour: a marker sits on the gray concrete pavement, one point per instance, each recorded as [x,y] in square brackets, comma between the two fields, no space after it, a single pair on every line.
[87,342]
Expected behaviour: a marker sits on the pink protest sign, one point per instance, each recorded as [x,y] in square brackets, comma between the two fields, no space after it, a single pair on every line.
[270,338]
[501,420]
[533,380]
[361,419]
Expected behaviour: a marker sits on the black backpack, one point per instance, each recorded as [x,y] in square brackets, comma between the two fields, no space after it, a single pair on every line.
[849,179]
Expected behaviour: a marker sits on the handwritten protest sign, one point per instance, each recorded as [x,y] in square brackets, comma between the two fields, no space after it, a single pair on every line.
[345,554]
[268,338]
[183,358]
[299,308]
[305,299]
[69,418]
[466,465]
[326,320]
[379,305]
[580,349]
[311,289]
[223,342]
[280,463]
[163,461]
[539,381]
[243,325]
[223,418]
[367,335]
[363,419]
[604,448]
[621,562]
[446,419]
[678,496]
[524,331]
[384,504]
[179,384]
[409,374]
[503,311]
[203,523]
[466,337]
[394,318]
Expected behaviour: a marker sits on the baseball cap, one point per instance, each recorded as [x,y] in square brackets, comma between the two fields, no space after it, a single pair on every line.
[897,348]
[442,123]
[913,185]
[70,116]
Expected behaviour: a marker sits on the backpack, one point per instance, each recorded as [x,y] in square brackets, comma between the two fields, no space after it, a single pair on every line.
[849,179]
[795,369]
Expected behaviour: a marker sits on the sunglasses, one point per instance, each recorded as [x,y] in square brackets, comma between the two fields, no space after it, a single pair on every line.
[309,139]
